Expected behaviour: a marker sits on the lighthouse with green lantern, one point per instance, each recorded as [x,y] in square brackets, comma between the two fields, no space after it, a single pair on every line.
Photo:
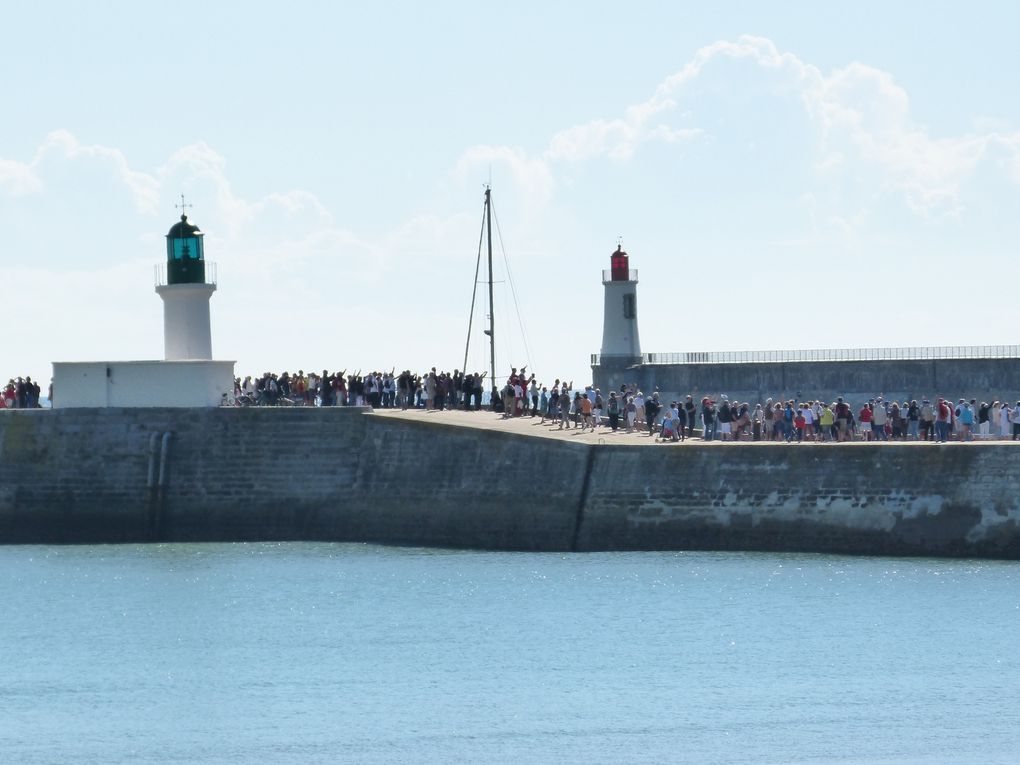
[185,284]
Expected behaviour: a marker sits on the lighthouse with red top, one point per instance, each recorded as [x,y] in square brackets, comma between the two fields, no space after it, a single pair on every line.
[619,326]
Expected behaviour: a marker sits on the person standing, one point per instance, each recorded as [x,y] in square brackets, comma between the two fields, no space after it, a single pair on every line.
[757,418]
[707,419]
[966,421]
[943,420]
[879,418]
[613,408]
[864,418]
[725,418]
[842,418]
[826,420]
[983,418]
[652,407]
[564,408]
[927,420]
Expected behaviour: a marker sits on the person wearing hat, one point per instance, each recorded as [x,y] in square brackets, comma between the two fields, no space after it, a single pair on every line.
[639,408]
[1005,418]
[966,420]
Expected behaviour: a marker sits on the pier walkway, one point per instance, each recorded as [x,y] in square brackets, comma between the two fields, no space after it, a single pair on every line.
[532,426]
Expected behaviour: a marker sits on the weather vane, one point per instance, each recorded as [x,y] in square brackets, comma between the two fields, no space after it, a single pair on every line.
[183,206]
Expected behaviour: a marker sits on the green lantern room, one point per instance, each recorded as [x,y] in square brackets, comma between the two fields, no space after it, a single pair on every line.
[185,256]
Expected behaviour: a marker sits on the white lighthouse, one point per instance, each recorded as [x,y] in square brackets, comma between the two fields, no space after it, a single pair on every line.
[619,326]
[185,288]
[188,376]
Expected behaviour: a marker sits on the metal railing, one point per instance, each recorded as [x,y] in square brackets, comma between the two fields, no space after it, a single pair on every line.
[159,273]
[607,275]
[930,353]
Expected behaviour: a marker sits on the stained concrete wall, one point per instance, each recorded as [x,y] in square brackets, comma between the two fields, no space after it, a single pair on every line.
[857,381]
[82,475]
[876,499]
[340,474]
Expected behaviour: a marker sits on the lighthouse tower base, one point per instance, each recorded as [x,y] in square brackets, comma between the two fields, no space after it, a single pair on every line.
[135,384]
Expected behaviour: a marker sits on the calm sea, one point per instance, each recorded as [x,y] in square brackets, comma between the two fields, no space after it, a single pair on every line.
[309,653]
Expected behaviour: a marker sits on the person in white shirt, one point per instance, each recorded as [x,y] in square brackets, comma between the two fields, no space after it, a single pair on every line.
[809,421]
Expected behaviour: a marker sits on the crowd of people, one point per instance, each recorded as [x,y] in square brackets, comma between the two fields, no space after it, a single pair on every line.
[20,393]
[629,410]
[791,421]
[380,390]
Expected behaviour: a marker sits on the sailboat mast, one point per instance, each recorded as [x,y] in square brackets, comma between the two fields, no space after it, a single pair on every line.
[492,309]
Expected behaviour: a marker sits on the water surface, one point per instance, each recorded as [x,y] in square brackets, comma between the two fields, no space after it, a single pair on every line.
[306,653]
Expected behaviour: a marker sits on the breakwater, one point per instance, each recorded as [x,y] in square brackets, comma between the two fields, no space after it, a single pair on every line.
[127,475]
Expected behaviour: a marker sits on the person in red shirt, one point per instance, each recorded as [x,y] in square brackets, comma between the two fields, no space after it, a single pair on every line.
[864,417]
[799,422]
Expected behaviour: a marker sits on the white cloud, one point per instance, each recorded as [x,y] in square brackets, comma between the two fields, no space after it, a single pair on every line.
[143,187]
[860,115]
[18,178]
[529,174]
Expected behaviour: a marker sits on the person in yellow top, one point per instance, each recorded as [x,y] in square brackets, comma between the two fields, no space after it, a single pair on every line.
[826,421]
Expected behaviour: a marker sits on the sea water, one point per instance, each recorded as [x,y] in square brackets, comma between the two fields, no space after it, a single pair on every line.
[322,653]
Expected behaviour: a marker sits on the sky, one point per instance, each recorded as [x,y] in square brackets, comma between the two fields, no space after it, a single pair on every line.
[783,175]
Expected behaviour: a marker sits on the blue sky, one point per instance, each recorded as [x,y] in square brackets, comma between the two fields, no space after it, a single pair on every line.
[783,177]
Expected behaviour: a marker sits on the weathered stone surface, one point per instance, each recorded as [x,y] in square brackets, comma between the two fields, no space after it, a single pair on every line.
[889,499]
[339,474]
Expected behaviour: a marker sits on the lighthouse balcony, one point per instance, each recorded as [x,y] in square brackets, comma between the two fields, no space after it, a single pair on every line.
[185,272]
[619,275]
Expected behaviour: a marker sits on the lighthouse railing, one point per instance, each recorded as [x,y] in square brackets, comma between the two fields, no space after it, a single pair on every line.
[608,274]
[159,273]
[929,353]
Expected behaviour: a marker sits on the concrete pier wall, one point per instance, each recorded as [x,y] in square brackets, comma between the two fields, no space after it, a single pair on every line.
[92,475]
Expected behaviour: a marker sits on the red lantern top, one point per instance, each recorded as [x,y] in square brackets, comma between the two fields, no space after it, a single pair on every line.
[619,265]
